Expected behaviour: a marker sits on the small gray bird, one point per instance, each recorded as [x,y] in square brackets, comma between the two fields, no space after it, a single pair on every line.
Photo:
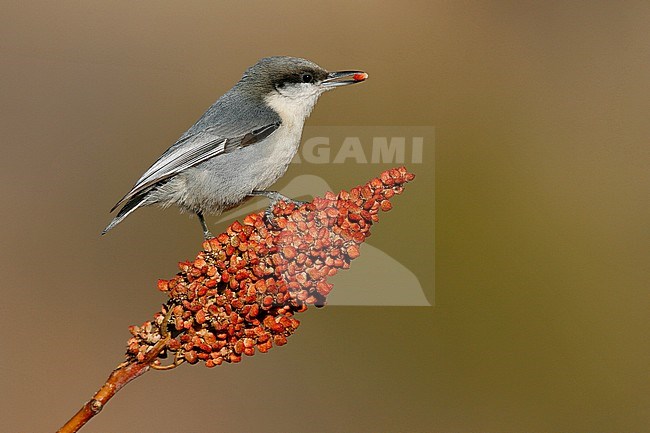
[241,145]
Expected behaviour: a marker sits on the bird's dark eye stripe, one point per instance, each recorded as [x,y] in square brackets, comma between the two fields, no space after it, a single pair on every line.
[304,76]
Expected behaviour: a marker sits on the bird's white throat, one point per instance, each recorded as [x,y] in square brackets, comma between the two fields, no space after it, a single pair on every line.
[294,104]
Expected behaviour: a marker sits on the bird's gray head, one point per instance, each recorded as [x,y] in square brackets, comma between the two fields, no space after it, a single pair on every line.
[291,85]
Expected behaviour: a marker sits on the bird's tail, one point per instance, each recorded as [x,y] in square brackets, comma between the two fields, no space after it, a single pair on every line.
[133,204]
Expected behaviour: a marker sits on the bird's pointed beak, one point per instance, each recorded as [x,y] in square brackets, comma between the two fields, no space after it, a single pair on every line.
[343,78]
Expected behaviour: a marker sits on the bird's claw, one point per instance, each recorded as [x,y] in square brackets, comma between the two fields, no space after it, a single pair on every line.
[275,197]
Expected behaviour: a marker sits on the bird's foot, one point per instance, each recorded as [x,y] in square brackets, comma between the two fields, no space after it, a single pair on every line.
[206,232]
[274,198]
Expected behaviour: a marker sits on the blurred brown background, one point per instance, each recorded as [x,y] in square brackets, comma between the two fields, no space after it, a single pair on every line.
[540,321]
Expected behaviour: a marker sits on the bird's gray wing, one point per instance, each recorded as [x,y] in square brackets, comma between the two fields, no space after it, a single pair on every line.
[192,150]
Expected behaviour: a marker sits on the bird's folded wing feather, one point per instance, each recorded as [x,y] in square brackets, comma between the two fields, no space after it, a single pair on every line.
[192,150]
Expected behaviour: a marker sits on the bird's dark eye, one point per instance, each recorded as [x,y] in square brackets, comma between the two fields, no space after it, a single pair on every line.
[307,78]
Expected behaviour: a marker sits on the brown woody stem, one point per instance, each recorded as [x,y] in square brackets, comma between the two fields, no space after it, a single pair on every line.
[123,374]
